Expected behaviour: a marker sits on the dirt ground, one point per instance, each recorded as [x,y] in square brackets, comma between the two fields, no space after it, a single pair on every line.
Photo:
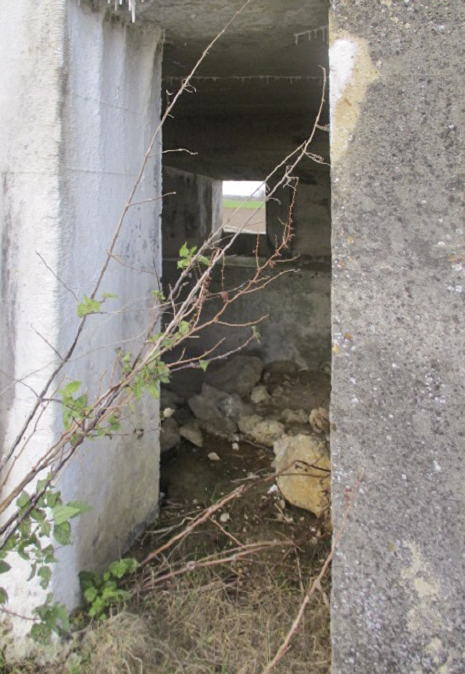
[222,599]
[234,615]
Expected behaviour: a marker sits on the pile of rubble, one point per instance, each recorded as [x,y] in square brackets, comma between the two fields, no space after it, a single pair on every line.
[274,405]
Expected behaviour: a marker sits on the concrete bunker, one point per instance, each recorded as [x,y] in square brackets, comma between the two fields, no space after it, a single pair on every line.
[80,96]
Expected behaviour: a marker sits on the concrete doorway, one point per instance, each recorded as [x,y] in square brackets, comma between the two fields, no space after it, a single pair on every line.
[252,103]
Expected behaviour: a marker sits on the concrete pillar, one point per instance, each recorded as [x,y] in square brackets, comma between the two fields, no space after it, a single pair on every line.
[79,103]
[398,320]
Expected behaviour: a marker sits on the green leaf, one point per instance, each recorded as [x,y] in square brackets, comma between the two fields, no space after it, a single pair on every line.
[87,579]
[66,512]
[37,515]
[184,250]
[33,571]
[70,389]
[46,574]
[23,500]
[121,567]
[63,617]
[88,306]
[62,533]
[184,328]
[41,633]
[109,296]
[203,364]
[91,594]
[154,390]
[49,554]
[4,567]
[204,260]
[256,333]
[45,528]
[3,596]
[53,497]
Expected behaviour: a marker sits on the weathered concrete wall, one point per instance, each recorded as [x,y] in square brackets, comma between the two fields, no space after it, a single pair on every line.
[398,151]
[191,209]
[297,307]
[80,102]
[31,43]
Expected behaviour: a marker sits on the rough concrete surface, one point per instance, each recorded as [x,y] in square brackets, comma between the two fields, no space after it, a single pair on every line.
[398,603]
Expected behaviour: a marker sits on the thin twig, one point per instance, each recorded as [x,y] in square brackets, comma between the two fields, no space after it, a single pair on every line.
[316,584]
[197,522]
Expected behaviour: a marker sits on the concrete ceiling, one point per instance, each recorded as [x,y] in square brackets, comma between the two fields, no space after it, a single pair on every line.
[268,62]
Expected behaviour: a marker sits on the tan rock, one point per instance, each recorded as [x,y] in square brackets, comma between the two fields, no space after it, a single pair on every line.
[306,480]
[319,420]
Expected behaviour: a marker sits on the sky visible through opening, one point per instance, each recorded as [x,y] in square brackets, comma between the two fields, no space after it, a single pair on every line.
[243,188]
[249,217]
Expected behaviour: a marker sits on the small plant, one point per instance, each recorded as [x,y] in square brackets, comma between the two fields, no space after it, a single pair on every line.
[41,519]
[103,592]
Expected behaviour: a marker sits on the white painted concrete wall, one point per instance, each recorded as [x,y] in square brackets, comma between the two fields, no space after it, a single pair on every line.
[80,100]
[32,53]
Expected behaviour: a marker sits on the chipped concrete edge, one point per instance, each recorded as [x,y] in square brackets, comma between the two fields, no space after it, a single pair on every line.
[351,74]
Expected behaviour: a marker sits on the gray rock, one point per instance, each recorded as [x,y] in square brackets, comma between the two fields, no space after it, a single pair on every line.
[289,416]
[248,423]
[169,398]
[238,375]
[233,407]
[281,367]
[267,431]
[263,431]
[213,393]
[183,415]
[192,432]
[204,408]
[259,395]
[223,427]
[169,435]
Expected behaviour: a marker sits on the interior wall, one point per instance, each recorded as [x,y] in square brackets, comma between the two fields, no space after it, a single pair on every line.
[295,309]
[297,305]
[191,209]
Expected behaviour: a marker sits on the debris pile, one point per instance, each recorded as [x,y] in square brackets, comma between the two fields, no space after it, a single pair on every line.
[275,405]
